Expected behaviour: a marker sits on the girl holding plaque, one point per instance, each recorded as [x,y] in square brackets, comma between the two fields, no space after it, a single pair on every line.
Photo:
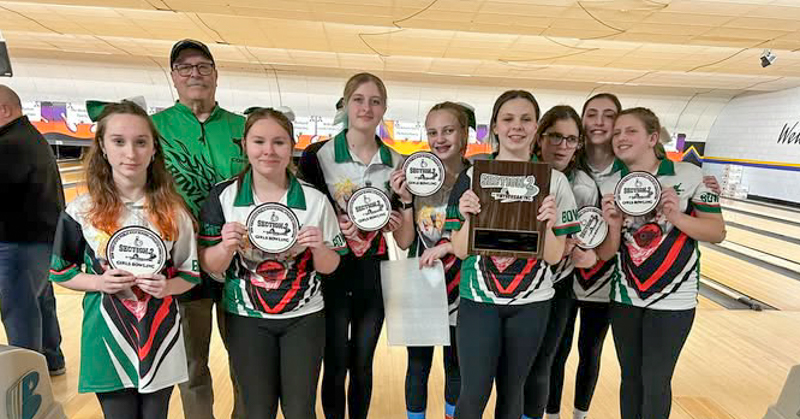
[590,286]
[655,286]
[558,138]
[132,351]
[505,302]
[357,164]
[272,298]
[447,126]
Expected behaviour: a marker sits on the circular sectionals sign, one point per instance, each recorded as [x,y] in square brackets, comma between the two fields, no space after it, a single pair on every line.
[424,173]
[594,228]
[637,193]
[137,250]
[272,227]
[369,208]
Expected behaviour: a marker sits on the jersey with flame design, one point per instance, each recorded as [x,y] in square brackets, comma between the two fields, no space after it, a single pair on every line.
[129,339]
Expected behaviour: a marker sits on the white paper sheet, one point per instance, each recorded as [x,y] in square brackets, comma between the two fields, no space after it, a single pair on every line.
[415,301]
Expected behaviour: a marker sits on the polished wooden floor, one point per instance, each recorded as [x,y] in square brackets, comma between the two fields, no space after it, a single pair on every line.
[733,366]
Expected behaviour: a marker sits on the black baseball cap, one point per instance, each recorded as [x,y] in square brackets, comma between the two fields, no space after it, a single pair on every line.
[188,44]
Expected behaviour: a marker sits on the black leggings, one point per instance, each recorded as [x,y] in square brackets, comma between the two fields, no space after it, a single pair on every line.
[592,334]
[130,404]
[277,360]
[420,359]
[354,304]
[648,344]
[497,343]
[538,382]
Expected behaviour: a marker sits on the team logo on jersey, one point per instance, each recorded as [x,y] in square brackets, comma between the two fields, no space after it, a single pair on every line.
[512,188]
[588,278]
[666,258]
[148,326]
[22,402]
[268,289]
[507,277]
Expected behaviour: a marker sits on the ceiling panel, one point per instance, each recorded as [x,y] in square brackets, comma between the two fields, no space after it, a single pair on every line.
[685,43]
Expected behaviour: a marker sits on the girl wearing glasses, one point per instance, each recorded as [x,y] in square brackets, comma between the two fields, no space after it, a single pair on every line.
[589,286]
[505,302]
[558,138]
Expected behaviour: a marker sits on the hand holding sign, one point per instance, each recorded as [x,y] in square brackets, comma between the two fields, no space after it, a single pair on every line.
[311,237]
[611,213]
[155,285]
[469,203]
[399,185]
[547,211]
[113,281]
[233,234]
[670,204]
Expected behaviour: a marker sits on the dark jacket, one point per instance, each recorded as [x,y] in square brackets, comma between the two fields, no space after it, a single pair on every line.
[30,184]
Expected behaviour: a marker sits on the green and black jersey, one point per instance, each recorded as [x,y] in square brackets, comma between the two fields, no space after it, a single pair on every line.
[128,340]
[658,266]
[507,280]
[266,285]
[199,155]
[343,174]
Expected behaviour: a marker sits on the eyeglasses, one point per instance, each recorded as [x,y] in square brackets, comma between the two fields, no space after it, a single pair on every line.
[185,70]
[556,139]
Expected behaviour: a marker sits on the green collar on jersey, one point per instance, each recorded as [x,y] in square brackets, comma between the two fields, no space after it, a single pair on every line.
[180,107]
[665,168]
[295,198]
[342,151]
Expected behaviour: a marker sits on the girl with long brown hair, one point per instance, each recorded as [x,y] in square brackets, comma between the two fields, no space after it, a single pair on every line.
[132,351]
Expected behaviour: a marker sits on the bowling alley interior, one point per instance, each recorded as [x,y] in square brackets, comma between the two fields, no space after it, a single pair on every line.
[722,77]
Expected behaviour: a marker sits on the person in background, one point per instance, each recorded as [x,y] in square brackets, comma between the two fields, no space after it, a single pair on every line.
[31,184]
[202,146]
[559,138]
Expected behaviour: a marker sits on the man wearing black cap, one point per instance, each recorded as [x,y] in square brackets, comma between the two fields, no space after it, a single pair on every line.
[202,146]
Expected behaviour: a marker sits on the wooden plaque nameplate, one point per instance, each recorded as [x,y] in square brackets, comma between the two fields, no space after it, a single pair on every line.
[510,193]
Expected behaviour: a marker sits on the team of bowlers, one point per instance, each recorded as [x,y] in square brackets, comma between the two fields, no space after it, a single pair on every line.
[511,320]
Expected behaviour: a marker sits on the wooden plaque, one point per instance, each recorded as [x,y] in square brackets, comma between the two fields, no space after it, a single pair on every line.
[510,193]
